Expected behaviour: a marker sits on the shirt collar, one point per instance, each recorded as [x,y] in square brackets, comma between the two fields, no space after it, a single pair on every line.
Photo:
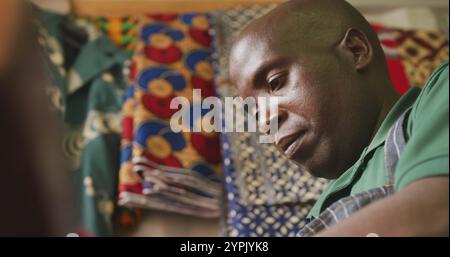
[397,110]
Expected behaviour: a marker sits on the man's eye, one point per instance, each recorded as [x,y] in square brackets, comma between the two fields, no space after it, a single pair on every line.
[277,82]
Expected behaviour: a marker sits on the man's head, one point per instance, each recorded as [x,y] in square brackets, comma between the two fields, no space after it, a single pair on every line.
[324,62]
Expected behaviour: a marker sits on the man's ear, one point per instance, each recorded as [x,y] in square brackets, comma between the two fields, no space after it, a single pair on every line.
[358,46]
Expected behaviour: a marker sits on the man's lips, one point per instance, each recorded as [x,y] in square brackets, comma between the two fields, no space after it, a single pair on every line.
[290,144]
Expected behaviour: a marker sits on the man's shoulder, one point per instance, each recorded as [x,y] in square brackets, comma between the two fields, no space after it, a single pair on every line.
[434,95]
[426,152]
[438,81]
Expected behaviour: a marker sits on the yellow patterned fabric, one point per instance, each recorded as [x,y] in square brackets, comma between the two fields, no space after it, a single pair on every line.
[421,52]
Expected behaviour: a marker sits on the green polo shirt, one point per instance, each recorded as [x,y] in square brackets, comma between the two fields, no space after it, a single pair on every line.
[425,153]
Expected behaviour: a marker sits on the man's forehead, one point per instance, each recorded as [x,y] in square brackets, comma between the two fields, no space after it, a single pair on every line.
[248,54]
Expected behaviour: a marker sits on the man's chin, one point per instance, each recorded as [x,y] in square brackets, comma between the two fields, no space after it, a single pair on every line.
[306,168]
[320,174]
[319,171]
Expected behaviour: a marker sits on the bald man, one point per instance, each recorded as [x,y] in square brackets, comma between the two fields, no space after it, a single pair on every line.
[340,118]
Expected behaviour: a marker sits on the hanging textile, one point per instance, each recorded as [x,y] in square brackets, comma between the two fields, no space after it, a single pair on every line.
[123,31]
[412,55]
[86,82]
[161,169]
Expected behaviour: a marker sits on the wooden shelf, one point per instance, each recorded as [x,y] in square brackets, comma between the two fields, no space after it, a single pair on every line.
[135,7]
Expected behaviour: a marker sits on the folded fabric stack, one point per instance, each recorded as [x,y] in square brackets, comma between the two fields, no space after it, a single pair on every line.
[162,169]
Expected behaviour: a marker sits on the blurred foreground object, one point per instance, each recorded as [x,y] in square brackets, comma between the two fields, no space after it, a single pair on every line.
[35,195]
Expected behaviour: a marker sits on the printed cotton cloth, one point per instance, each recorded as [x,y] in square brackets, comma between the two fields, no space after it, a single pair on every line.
[411,55]
[161,169]
[123,31]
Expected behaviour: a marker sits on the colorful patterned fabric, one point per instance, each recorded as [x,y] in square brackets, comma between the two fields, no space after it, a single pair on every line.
[393,59]
[267,195]
[161,169]
[412,55]
[421,52]
[86,82]
[244,219]
[123,31]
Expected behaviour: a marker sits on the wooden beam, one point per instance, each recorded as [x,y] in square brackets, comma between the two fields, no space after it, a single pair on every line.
[136,7]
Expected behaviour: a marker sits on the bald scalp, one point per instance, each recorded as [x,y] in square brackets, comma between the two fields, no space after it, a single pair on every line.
[325,64]
[309,25]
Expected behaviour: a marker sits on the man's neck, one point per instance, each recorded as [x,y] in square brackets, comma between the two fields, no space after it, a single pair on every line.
[389,99]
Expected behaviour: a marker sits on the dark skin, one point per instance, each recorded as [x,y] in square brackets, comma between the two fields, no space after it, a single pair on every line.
[329,85]
[325,64]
